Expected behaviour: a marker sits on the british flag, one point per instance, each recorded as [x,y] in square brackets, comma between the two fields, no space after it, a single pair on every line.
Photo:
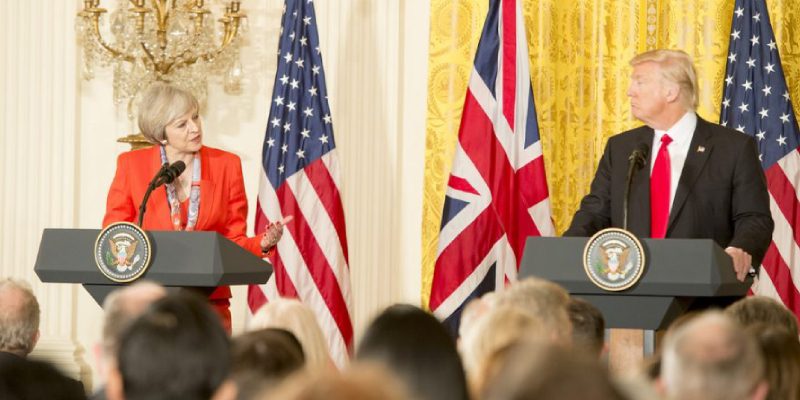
[497,191]
[300,178]
[756,101]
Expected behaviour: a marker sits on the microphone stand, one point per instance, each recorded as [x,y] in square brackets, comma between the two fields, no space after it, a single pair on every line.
[154,183]
[636,160]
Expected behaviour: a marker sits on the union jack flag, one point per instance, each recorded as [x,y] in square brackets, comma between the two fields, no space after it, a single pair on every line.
[497,192]
[300,178]
[756,101]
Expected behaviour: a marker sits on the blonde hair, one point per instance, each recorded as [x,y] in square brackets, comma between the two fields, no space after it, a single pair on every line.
[544,300]
[295,317]
[675,66]
[161,104]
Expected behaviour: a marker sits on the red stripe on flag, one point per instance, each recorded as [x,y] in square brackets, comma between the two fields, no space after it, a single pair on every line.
[463,255]
[785,197]
[461,184]
[480,143]
[531,182]
[328,193]
[781,277]
[282,279]
[318,266]
[509,58]
[255,298]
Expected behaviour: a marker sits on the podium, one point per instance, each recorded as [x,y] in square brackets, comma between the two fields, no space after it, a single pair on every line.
[680,275]
[198,260]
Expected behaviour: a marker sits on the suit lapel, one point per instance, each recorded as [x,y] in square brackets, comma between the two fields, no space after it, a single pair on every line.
[207,188]
[158,204]
[639,213]
[695,161]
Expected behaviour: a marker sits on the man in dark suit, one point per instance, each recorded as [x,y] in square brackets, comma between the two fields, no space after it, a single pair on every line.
[698,180]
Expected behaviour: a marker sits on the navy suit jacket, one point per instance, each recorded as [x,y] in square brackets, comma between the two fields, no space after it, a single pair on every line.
[721,195]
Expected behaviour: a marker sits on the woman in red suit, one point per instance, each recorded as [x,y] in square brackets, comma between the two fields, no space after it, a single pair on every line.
[208,196]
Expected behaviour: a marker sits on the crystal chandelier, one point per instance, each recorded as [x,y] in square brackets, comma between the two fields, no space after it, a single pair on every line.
[162,40]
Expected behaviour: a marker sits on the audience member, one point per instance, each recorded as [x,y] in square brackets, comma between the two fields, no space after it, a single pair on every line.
[295,317]
[712,358]
[498,328]
[543,299]
[24,379]
[588,326]
[543,371]
[781,352]
[122,306]
[177,349]
[19,319]
[261,359]
[417,348]
[361,382]
[755,309]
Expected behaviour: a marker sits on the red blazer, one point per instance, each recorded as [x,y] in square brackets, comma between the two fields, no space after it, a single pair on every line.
[223,202]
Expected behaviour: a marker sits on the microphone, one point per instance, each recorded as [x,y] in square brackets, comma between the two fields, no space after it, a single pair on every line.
[635,161]
[166,174]
[171,173]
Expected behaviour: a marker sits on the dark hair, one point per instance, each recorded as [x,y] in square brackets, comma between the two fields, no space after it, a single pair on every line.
[417,348]
[262,358]
[23,379]
[588,325]
[176,349]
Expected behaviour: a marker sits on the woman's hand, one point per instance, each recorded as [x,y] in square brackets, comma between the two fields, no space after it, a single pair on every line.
[273,233]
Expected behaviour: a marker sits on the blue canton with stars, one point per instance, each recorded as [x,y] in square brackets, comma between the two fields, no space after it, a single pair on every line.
[299,130]
[756,100]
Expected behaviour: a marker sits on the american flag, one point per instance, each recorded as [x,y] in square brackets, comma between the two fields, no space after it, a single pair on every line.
[497,192]
[756,101]
[300,178]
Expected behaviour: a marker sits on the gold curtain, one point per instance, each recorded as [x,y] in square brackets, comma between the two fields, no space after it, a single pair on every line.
[579,52]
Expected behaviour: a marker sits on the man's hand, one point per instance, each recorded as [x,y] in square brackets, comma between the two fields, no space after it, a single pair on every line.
[742,261]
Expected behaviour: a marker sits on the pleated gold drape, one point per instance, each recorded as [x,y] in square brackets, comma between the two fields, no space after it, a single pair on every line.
[579,52]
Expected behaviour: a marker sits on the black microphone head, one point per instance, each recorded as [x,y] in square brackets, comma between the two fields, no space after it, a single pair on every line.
[639,154]
[173,171]
[179,167]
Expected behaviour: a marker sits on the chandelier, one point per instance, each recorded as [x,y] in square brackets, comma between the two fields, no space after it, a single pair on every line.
[173,41]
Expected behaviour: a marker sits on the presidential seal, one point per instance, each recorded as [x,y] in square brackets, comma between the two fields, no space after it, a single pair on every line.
[614,259]
[122,252]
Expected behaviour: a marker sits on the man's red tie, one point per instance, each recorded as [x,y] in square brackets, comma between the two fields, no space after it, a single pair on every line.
[660,190]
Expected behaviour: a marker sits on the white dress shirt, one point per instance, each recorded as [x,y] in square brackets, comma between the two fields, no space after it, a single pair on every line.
[681,134]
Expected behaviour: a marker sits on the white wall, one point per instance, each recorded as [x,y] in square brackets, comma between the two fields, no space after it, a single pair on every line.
[58,132]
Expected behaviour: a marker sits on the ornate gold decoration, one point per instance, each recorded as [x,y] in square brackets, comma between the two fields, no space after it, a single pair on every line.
[579,52]
[162,40]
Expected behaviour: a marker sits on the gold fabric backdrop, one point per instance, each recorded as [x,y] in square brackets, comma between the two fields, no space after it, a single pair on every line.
[579,52]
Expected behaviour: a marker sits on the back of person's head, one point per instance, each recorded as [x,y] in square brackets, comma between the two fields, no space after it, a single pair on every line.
[177,349]
[760,309]
[24,379]
[588,325]
[543,299]
[417,348]
[19,317]
[123,306]
[297,318]
[498,328]
[362,382]
[711,357]
[543,371]
[261,359]
[781,351]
